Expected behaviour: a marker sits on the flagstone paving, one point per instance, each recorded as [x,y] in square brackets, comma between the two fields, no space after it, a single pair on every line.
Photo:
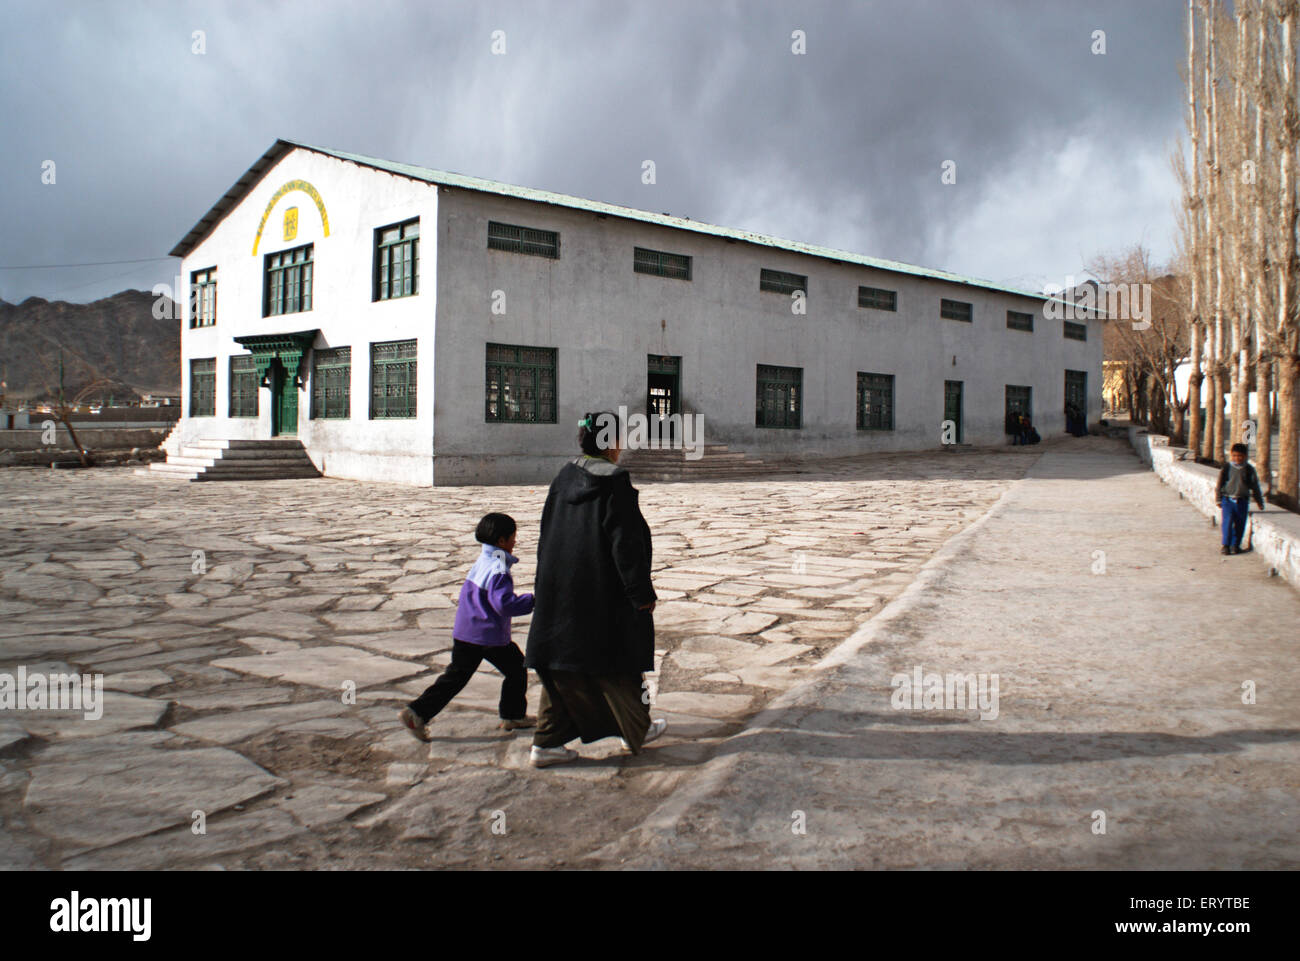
[257,638]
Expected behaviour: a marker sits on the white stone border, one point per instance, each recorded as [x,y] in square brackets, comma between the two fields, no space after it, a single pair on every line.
[1274,535]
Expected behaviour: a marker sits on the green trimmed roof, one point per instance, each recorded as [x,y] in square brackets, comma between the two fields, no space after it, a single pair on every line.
[448,179]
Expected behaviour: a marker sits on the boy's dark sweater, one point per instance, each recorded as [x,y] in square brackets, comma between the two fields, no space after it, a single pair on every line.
[1243,482]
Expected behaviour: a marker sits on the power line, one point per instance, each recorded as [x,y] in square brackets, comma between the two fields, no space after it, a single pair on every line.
[97,263]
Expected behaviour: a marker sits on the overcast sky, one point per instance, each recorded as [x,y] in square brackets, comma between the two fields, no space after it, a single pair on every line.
[1060,153]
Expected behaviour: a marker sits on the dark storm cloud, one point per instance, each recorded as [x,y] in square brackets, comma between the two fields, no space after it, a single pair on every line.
[1059,152]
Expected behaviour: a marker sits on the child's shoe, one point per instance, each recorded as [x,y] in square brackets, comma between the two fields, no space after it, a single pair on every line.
[411,721]
[514,724]
[546,756]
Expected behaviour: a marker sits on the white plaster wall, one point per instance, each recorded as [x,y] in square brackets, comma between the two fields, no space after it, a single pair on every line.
[357,200]
[604,318]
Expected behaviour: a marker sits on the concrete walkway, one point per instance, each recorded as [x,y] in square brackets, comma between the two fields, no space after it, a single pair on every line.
[1120,695]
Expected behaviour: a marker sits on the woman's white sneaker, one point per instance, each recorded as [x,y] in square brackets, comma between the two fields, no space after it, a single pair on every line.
[657,727]
[546,756]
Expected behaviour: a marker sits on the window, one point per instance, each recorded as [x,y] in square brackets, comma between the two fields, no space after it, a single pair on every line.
[519,386]
[392,380]
[877,299]
[397,257]
[956,310]
[1075,331]
[661,264]
[331,384]
[203,297]
[1019,401]
[781,282]
[203,387]
[875,401]
[1019,320]
[523,240]
[778,402]
[243,386]
[288,281]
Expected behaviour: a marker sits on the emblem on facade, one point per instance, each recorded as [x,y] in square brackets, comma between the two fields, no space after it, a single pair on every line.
[291,223]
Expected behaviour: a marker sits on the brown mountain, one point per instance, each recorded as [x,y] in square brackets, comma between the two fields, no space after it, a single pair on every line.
[117,340]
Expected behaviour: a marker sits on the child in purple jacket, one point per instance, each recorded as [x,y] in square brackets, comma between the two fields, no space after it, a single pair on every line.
[482,632]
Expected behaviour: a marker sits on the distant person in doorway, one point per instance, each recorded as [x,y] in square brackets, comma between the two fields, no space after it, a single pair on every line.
[481,632]
[1028,433]
[592,634]
[1076,421]
[1238,482]
[1014,429]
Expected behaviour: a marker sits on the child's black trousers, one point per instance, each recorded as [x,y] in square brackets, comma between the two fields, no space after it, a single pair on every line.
[465,659]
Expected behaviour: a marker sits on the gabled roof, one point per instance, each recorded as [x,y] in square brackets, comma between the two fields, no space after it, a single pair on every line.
[445,178]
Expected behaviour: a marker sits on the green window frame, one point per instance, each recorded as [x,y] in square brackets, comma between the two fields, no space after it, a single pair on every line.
[520,384]
[875,401]
[203,387]
[877,298]
[397,260]
[393,379]
[956,310]
[243,389]
[661,263]
[1020,320]
[1073,331]
[779,400]
[288,282]
[331,383]
[203,298]
[782,281]
[523,240]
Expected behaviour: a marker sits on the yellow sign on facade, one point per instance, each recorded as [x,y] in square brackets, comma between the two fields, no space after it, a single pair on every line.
[291,223]
[292,185]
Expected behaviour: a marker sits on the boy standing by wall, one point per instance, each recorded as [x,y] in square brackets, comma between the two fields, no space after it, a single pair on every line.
[1238,482]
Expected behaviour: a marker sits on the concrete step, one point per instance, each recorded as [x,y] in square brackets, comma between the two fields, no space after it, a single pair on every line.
[716,462]
[266,443]
[212,459]
[243,453]
[277,474]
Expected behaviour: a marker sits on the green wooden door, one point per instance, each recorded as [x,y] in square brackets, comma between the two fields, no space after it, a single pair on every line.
[1076,389]
[952,405]
[284,402]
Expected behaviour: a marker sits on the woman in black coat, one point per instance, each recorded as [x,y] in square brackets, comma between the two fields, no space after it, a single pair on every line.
[592,632]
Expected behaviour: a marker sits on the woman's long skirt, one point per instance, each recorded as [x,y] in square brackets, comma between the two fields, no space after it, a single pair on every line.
[591,707]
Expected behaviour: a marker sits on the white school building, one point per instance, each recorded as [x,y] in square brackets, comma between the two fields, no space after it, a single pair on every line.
[419,326]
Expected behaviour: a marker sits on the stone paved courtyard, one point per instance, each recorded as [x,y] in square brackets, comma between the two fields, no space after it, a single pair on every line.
[232,621]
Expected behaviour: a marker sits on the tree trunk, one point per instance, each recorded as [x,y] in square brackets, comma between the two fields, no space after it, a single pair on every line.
[72,434]
[1264,431]
[1194,379]
[1211,401]
[1288,377]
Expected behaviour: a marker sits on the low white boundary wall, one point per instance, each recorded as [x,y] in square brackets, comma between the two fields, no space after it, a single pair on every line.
[1274,535]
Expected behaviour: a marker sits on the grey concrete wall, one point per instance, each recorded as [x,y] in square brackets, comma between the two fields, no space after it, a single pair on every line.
[93,438]
[604,319]
[1274,535]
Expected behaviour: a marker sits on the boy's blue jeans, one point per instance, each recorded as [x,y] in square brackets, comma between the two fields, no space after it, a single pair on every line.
[1234,510]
